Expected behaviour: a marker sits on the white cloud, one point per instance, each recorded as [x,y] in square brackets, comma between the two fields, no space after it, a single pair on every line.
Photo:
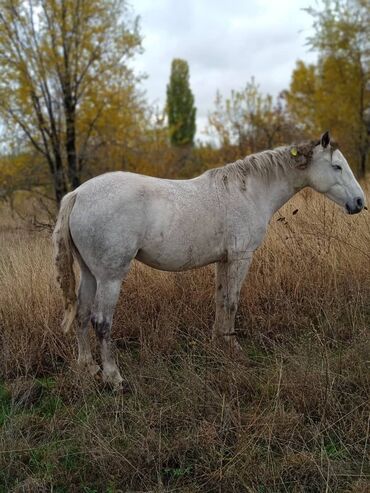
[225,43]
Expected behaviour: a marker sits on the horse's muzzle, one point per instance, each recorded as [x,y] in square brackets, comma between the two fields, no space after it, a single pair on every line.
[356,206]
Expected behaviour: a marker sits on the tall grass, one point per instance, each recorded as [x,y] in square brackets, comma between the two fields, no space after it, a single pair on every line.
[292,417]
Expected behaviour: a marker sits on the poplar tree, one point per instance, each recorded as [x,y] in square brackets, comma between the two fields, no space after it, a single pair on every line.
[180,105]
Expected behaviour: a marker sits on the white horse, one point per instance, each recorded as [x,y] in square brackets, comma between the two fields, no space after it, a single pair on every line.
[219,217]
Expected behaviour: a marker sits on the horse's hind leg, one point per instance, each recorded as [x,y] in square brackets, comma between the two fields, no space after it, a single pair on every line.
[85,300]
[107,294]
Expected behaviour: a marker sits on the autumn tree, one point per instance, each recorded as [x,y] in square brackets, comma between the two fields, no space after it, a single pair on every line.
[180,105]
[249,120]
[334,93]
[63,64]
[301,98]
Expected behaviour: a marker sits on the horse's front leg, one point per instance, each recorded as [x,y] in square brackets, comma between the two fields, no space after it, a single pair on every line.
[229,279]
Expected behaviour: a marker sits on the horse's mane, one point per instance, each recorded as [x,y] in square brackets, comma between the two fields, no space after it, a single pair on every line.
[266,164]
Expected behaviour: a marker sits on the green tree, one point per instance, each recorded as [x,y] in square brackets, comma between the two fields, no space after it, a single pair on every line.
[180,105]
[62,64]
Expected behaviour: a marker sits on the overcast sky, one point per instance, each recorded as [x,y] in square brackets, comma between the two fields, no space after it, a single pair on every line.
[226,42]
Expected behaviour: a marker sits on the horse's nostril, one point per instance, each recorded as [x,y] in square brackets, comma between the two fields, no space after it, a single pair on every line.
[359,202]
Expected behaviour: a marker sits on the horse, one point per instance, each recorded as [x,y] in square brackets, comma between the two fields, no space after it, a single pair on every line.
[219,217]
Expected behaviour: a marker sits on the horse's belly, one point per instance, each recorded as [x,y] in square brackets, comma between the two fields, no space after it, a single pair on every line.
[176,261]
[180,238]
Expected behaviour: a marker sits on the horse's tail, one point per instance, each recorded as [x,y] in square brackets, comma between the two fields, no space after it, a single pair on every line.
[63,251]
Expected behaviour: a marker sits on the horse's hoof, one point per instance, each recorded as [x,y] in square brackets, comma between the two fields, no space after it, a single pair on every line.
[90,367]
[236,351]
[114,380]
[231,346]
[118,387]
[94,370]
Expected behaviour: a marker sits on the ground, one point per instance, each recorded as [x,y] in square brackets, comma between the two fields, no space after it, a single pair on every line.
[292,416]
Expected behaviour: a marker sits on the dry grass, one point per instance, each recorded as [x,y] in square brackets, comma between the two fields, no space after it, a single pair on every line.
[292,417]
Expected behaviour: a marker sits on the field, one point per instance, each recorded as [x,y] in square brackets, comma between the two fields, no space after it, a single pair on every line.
[293,416]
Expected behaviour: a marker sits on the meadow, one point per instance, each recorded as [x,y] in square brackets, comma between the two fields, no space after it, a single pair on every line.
[292,416]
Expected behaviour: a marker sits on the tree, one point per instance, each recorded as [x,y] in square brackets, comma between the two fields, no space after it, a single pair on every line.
[180,105]
[335,93]
[301,98]
[62,63]
[249,121]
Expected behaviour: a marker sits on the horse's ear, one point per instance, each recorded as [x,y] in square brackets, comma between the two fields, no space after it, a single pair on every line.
[325,139]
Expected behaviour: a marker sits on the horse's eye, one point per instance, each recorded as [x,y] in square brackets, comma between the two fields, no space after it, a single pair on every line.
[337,167]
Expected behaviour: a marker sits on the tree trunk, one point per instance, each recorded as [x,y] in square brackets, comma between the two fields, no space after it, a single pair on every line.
[70,115]
[60,187]
[73,172]
[364,132]
[58,178]
[363,159]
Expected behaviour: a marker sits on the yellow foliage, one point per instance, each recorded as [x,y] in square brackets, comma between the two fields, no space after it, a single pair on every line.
[334,94]
[64,75]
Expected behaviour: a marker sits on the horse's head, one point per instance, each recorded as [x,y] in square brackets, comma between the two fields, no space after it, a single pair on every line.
[329,173]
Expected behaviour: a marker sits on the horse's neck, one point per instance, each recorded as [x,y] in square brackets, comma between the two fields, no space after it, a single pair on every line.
[270,195]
